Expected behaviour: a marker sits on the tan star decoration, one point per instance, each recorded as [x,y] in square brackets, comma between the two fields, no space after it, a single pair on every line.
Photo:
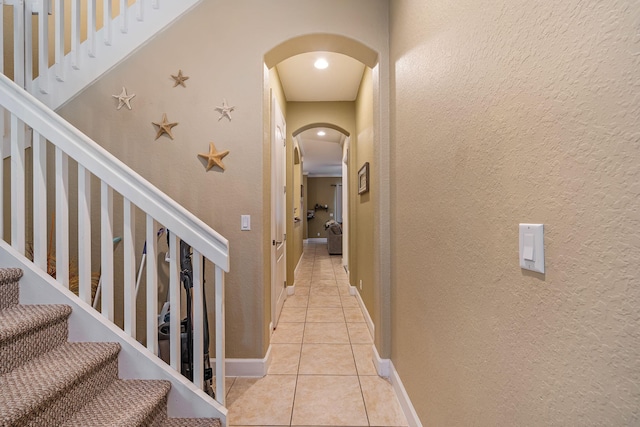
[180,79]
[124,99]
[164,127]
[214,157]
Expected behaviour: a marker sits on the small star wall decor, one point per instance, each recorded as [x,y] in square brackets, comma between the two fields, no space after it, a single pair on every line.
[164,126]
[225,110]
[179,79]
[124,99]
[214,157]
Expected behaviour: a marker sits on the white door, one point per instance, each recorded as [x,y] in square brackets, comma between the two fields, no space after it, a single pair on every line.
[278,207]
[345,204]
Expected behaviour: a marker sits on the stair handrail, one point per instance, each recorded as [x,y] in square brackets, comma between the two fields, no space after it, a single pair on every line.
[114,172]
[69,142]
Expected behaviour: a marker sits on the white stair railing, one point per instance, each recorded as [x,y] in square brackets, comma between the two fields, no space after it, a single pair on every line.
[114,29]
[50,133]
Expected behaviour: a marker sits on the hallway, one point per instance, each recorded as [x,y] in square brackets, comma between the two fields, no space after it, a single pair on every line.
[321,370]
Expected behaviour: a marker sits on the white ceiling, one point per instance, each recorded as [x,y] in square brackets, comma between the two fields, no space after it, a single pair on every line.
[322,155]
[302,82]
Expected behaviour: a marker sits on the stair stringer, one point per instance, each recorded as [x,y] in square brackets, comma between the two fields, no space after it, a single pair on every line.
[185,400]
[107,56]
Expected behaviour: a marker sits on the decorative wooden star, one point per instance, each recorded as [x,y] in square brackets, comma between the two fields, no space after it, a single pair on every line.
[225,110]
[214,157]
[124,99]
[179,79]
[164,127]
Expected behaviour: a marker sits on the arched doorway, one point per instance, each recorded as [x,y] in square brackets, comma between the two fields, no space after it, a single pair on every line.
[377,264]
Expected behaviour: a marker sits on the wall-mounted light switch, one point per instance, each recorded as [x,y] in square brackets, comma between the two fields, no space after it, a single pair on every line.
[245,222]
[532,247]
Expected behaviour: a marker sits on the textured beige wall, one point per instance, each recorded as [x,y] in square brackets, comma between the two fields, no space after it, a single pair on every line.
[361,232]
[220,46]
[506,112]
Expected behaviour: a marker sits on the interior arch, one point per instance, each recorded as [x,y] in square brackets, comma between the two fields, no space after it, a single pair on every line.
[321,42]
[320,125]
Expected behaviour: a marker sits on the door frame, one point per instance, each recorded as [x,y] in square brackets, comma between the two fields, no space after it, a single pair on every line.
[278,237]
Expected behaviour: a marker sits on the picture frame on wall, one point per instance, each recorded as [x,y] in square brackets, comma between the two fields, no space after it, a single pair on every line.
[363,178]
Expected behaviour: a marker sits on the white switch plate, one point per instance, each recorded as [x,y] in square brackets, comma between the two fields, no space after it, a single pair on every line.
[532,247]
[245,222]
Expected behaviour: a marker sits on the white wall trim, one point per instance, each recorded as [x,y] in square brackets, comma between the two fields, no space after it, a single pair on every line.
[317,240]
[367,318]
[292,289]
[382,365]
[246,367]
[403,398]
[295,270]
[385,369]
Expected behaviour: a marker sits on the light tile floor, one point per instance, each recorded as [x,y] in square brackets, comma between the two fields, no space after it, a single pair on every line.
[321,370]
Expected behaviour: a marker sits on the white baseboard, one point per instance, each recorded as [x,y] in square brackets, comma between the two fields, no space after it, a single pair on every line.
[246,367]
[385,369]
[382,365]
[295,270]
[365,312]
[405,403]
[317,240]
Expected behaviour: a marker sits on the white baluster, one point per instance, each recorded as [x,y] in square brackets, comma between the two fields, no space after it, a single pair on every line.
[75,34]
[106,250]
[59,40]
[43,46]
[124,16]
[18,199]
[28,53]
[198,321]
[220,341]
[106,28]
[152,287]
[62,217]
[39,200]
[140,4]
[18,42]
[174,301]
[155,4]
[84,234]
[129,269]
[91,27]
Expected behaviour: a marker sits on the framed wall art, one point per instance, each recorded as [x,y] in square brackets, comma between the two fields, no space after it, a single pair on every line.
[363,178]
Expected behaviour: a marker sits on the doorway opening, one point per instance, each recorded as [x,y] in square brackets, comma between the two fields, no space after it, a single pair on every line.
[311,107]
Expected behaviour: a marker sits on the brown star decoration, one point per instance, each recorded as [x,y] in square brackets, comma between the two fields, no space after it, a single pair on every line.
[164,127]
[214,157]
[179,79]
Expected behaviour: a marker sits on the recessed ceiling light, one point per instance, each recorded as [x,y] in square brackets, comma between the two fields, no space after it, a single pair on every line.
[321,64]
[321,133]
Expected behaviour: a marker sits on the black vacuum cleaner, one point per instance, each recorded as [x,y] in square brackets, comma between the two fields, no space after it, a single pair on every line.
[186,324]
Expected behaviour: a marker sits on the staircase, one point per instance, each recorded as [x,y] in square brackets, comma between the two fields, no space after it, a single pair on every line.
[47,380]
[76,174]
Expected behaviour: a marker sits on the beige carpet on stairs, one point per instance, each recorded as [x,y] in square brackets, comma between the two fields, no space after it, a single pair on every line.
[47,381]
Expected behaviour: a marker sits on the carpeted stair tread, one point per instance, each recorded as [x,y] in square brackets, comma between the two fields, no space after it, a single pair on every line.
[22,319]
[9,288]
[46,390]
[9,275]
[125,403]
[28,331]
[192,422]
